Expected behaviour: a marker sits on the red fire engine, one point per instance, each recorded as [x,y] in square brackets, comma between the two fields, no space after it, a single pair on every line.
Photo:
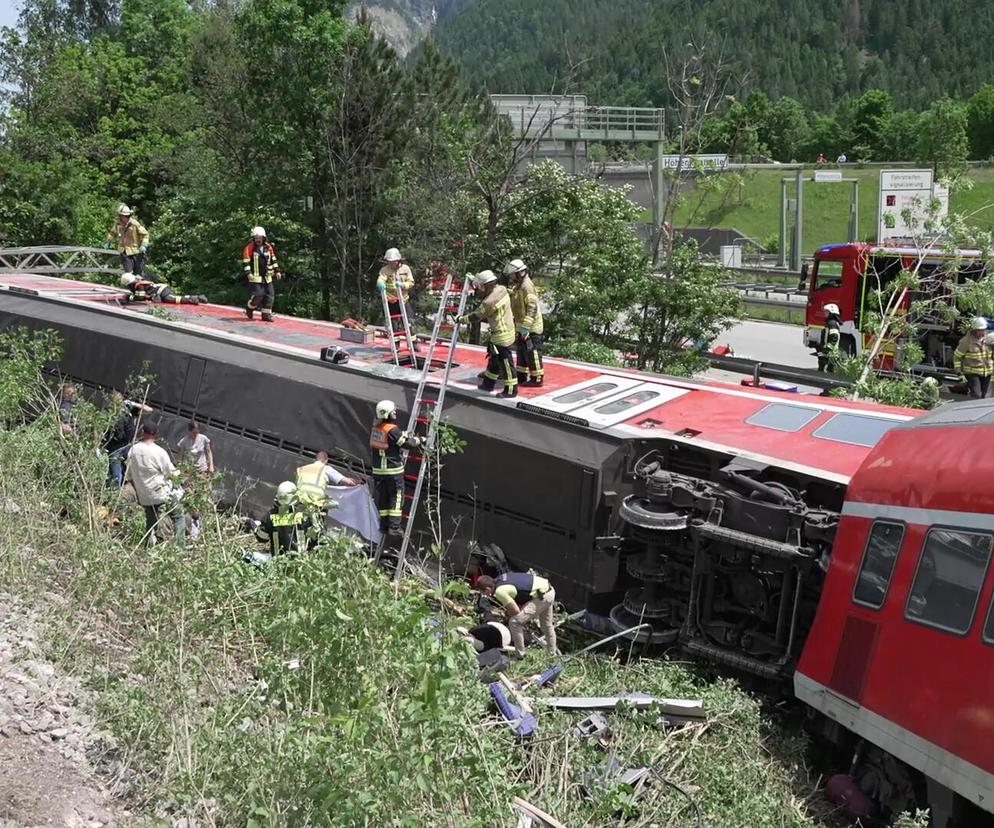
[848,275]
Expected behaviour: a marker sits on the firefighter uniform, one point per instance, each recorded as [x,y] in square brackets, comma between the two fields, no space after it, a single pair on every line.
[130,240]
[975,361]
[831,335]
[396,284]
[496,311]
[149,291]
[285,529]
[260,267]
[529,328]
[386,444]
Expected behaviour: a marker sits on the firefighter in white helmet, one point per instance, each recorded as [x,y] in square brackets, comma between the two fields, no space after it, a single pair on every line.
[130,239]
[261,268]
[286,527]
[495,310]
[387,443]
[831,335]
[149,291]
[973,359]
[395,280]
[527,322]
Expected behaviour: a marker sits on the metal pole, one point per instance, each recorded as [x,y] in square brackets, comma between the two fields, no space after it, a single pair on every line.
[854,212]
[798,219]
[659,207]
[782,247]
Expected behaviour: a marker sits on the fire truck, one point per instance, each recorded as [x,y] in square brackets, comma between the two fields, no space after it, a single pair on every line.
[848,275]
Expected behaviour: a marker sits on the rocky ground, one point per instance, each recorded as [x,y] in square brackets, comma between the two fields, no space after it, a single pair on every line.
[50,750]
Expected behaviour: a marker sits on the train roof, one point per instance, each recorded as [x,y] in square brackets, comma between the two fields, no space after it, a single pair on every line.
[818,436]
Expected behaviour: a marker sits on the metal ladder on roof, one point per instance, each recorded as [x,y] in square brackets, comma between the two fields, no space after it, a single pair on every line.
[389,318]
[428,402]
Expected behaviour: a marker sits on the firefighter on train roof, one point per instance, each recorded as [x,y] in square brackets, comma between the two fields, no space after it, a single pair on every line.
[149,291]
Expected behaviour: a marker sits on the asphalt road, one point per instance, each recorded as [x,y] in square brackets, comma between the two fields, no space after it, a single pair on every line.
[766,342]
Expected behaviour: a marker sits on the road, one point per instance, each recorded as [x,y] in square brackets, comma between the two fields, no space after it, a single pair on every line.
[765,342]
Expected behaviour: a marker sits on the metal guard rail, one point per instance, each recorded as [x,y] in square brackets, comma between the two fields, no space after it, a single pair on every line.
[55,259]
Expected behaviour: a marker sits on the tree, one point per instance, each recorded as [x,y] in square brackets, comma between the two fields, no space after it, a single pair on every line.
[980,122]
[784,130]
[942,137]
[871,123]
[902,138]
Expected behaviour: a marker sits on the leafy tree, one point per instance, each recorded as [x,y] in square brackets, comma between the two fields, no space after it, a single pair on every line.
[942,136]
[980,122]
[783,129]
[872,118]
[902,139]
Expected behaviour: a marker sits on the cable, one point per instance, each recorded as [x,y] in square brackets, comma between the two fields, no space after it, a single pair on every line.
[687,796]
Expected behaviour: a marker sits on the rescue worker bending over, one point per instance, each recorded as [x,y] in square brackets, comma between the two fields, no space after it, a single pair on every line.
[831,335]
[395,281]
[313,481]
[260,266]
[130,239]
[495,310]
[974,360]
[387,443]
[523,596]
[148,291]
[287,526]
[527,323]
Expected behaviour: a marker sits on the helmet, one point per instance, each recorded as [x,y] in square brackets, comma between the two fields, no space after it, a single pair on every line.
[123,210]
[259,231]
[385,409]
[335,355]
[128,279]
[484,277]
[514,266]
[979,324]
[286,490]
[392,255]
[831,307]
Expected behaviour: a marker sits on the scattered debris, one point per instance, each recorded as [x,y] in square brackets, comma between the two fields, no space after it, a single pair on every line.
[612,772]
[529,816]
[690,708]
[595,726]
[521,720]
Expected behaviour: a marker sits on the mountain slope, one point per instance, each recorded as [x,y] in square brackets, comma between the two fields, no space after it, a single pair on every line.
[817,51]
[403,23]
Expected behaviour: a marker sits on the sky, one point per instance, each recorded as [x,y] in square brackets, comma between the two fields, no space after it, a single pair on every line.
[8,12]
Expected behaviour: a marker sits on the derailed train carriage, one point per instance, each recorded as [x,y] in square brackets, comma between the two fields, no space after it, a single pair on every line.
[707,509]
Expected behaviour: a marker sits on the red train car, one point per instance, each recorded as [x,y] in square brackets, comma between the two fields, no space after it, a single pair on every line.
[901,652]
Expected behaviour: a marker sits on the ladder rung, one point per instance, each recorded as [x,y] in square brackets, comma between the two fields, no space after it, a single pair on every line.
[408,496]
[421,419]
[410,477]
[428,400]
[416,457]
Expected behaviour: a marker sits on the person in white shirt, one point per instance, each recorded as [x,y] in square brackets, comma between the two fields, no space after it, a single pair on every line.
[197,445]
[152,474]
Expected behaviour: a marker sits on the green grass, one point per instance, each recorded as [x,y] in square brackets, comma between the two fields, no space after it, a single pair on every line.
[754,207]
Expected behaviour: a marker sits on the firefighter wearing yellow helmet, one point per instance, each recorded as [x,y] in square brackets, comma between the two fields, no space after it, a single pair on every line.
[527,323]
[495,310]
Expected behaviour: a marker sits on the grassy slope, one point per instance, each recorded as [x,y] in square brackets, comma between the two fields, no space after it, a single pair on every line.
[754,208]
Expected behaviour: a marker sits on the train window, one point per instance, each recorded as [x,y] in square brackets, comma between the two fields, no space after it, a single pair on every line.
[828,274]
[855,429]
[584,394]
[882,548]
[617,406]
[947,582]
[783,417]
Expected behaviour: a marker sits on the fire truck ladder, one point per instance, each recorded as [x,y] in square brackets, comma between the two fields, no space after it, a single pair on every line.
[405,324]
[428,402]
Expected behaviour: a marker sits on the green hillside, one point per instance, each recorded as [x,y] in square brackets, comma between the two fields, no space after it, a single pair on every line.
[817,51]
[754,209]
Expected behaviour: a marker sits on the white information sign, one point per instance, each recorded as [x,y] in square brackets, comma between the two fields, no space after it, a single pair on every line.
[902,191]
[828,175]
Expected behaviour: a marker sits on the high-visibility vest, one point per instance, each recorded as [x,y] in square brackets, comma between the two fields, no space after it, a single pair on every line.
[496,311]
[397,282]
[525,307]
[973,356]
[250,263]
[387,456]
[128,238]
[311,484]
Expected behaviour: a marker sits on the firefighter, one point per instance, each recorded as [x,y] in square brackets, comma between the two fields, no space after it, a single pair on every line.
[314,479]
[287,525]
[831,335]
[130,239]
[974,360]
[261,268]
[149,291]
[495,310]
[523,596]
[527,323]
[395,280]
[387,442]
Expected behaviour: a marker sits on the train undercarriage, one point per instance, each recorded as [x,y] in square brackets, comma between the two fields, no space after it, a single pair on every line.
[727,568]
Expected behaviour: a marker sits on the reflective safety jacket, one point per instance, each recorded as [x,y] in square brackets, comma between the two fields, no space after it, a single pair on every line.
[149,291]
[386,442]
[259,262]
[973,356]
[495,310]
[831,334]
[401,280]
[283,529]
[519,587]
[524,306]
[311,483]
[129,237]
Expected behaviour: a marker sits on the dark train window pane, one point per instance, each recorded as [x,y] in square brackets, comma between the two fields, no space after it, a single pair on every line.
[882,548]
[989,626]
[626,402]
[950,574]
[784,417]
[584,394]
[855,429]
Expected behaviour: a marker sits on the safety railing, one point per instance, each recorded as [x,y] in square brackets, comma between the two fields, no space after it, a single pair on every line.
[564,120]
[58,259]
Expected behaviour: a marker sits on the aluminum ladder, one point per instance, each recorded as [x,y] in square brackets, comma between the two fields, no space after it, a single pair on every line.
[428,401]
[405,324]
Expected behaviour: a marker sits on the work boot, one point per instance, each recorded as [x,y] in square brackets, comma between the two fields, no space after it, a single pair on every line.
[509,392]
[535,382]
[522,379]
[249,312]
[267,316]
[486,384]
